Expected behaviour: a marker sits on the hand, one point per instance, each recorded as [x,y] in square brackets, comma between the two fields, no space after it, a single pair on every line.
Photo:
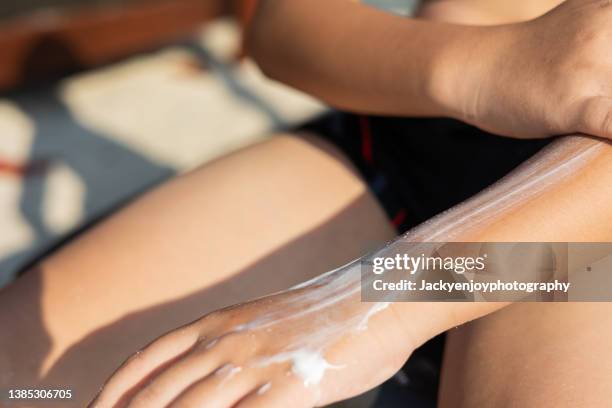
[544,77]
[303,348]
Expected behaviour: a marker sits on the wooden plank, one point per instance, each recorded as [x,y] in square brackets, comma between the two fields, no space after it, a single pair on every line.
[50,44]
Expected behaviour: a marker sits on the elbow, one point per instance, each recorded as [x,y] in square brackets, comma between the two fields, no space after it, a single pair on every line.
[261,43]
[264,59]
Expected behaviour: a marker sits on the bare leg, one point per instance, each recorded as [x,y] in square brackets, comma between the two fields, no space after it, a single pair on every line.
[255,222]
[535,354]
[531,355]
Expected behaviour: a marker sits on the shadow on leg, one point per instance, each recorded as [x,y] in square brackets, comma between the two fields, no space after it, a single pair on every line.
[252,223]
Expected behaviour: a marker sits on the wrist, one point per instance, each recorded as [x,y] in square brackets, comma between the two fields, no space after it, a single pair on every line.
[425,320]
[466,67]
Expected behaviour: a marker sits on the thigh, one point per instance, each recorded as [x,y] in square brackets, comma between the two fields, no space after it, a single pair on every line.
[531,355]
[254,222]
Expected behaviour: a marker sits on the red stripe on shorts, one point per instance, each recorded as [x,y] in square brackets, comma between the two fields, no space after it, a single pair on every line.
[399,218]
[366,139]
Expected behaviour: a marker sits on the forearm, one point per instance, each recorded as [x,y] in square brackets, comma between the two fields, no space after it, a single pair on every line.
[564,194]
[367,61]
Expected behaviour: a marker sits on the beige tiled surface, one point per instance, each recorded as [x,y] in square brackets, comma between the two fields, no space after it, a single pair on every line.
[111,133]
[160,107]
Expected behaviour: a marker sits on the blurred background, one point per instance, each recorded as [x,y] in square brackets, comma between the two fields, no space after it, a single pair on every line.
[101,99]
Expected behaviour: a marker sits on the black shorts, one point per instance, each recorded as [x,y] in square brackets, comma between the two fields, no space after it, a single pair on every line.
[420,167]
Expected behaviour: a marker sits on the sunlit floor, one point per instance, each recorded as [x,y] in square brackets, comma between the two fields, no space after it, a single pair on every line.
[78,148]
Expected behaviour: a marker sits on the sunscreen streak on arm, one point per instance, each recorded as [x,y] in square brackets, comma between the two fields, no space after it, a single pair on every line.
[329,306]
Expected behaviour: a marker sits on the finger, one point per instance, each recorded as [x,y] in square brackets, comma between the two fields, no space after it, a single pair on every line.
[280,394]
[142,365]
[596,117]
[221,389]
[169,384]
